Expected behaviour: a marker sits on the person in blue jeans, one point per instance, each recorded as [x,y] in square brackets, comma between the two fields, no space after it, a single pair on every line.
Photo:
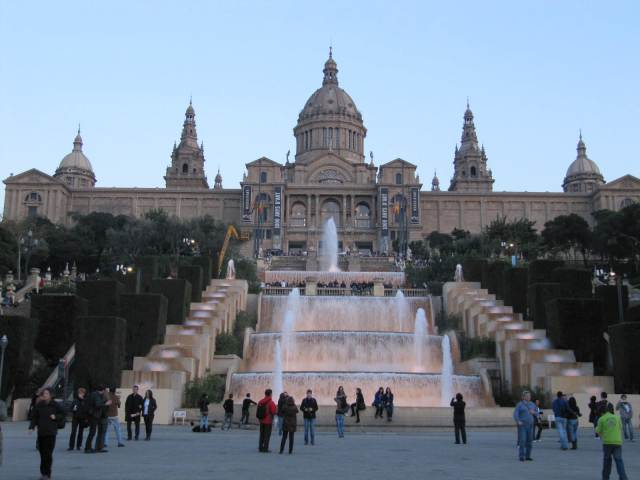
[523,416]
[309,407]
[560,410]
[573,413]
[342,407]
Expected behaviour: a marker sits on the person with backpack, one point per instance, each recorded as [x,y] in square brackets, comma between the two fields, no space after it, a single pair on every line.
[342,407]
[625,410]
[289,413]
[264,413]
[47,417]
[203,405]
[79,419]
[459,421]
[246,405]
[97,407]
[228,412]
[309,407]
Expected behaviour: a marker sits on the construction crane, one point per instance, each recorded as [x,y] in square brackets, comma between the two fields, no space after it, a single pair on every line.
[231,231]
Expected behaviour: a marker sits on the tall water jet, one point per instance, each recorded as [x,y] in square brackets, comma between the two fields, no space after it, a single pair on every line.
[277,380]
[432,315]
[419,334]
[402,308]
[330,246]
[289,324]
[446,382]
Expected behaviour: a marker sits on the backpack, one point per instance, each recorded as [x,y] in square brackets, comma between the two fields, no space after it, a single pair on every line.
[261,411]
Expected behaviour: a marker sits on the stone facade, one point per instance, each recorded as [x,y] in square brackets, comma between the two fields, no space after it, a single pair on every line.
[284,206]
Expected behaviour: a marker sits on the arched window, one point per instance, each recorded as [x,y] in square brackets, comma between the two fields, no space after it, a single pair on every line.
[363,215]
[185,168]
[263,177]
[330,209]
[298,215]
[474,172]
[398,179]
[261,207]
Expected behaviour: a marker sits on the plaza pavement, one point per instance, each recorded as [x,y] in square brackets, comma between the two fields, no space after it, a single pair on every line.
[177,453]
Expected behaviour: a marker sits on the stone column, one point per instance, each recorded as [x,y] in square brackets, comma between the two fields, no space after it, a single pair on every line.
[344,211]
[311,288]
[378,287]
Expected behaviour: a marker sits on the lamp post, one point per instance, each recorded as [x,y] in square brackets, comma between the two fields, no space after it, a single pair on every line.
[26,243]
[4,341]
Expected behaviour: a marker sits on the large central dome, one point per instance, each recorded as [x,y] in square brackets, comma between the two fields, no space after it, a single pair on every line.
[330,121]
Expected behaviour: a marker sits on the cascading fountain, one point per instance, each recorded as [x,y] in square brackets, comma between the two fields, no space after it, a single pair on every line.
[277,375]
[420,331]
[330,246]
[288,325]
[446,382]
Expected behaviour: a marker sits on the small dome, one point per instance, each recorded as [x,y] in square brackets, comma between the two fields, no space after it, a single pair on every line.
[582,164]
[330,99]
[190,110]
[76,159]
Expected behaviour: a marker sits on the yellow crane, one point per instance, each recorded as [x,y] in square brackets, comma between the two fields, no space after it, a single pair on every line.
[231,231]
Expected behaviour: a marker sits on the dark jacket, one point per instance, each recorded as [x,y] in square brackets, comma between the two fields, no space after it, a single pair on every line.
[289,412]
[387,400]
[203,405]
[458,409]
[573,411]
[153,406]
[282,401]
[41,418]
[309,407]
[378,399]
[360,404]
[246,403]
[79,409]
[593,412]
[602,407]
[228,406]
[133,405]
[97,405]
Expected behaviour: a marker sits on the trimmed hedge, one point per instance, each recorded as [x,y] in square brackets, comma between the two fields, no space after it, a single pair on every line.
[100,351]
[57,315]
[624,339]
[515,282]
[632,314]
[494,282]
[149,269]
[537,295]
[609,296]
[540,270]
[576,324]
[21,333]
[472,269]
[146,316]
[206,262]
[103,296]
[178,294]
[575,282]
[193,274]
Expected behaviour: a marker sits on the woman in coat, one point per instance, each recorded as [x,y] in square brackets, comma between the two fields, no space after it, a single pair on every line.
[358,405]
[47,414]
[593,412]
[289,423]
[149,407]
[379,403]
[342,407]
[573,412]
[388,403]
[79,421]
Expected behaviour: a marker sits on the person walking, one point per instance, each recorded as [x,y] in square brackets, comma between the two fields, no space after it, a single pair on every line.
[309,407]
[290,412]
[459,421]
[609,428]
[388,403]
[46,417]
[593,413]
[342,407]
[573,414]
[537,421]
[281,403]
[265,413]
[203,405]
[378,402]
[523,415]
[79,419]
[625,410]
[246,405]
[97,408]
[603,404]
[112,417]
[149,407]
[133,407]
[358,405]
[560,410]
[228,412]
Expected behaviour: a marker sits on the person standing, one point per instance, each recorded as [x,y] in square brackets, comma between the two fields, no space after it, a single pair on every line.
[133,406]
[265,413]
[309,407]
[203,405]
[609,428]
[573,413]
[560,411]
[97,411]
[228,412]
[459,421]
[625,410]
[358,405]
[603,404]
[112,417]
[388,403]
[378,402]
[593,413]
[537,422]
[46,416]
[246,405]
[342,407]
[523,415]
[79,419]
[281,403]
[149,407]
[290,412]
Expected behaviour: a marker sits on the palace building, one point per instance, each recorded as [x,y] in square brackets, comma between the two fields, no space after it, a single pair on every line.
[330,176]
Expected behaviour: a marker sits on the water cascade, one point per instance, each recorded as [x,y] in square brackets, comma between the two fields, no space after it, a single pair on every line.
[277,376]
[289,324]
[330,246]
[419,333]
[446,382]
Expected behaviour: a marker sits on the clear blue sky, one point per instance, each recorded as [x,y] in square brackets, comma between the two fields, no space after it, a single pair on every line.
[535,72]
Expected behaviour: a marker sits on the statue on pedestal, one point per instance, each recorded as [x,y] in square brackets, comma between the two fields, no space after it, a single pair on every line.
[231,270]
[458,276]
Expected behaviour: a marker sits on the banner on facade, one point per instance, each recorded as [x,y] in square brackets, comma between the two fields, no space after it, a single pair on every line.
[415,204]
[384,211]
[246,203]
[277,210]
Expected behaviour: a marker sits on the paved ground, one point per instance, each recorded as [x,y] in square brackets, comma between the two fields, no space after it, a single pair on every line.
[177,453]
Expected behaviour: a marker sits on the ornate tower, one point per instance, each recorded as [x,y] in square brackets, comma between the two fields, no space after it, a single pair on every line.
[435,183]
[583,175]
[187,158]
[470,161]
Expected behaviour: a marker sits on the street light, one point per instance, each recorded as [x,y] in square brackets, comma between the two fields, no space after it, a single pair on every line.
[4,341]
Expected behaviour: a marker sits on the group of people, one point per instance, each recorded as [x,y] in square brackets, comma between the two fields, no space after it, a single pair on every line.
[96,412]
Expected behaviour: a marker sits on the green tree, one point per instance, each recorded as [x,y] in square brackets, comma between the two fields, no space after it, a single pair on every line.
[567,232]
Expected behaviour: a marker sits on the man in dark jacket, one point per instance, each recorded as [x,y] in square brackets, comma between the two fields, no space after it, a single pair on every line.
[228,412]
[203,405]
[97,410]
[309,407]
[133,411]
[459,421]
[246,404]
[45,417]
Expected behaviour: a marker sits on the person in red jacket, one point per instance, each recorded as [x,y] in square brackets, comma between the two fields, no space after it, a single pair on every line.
[265,412]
